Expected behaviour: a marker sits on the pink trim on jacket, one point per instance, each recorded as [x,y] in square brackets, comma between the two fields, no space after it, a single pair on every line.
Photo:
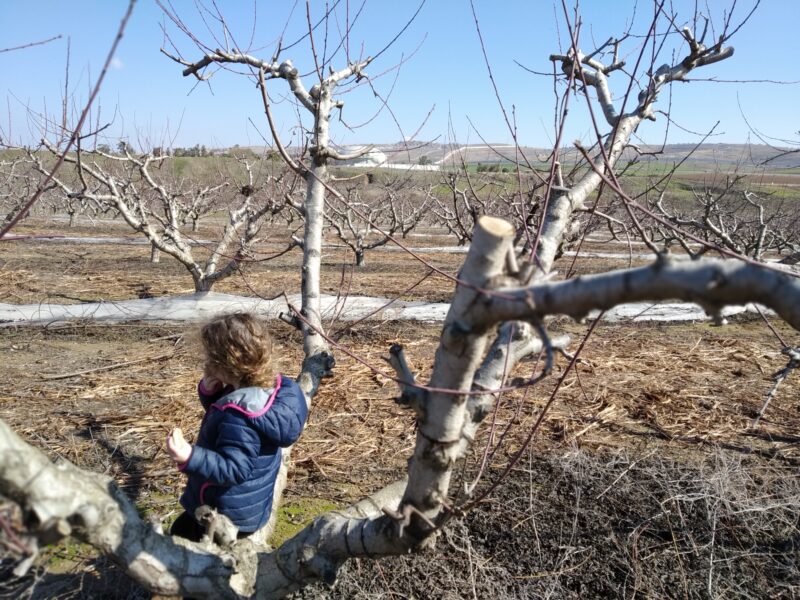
[247,413]
[203,489]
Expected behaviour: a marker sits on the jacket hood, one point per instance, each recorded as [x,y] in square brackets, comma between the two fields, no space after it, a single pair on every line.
[250,401]
[277,413]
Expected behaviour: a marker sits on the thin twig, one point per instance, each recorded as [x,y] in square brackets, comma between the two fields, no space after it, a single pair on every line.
[31,44]
[778,378]
[75,135]
[108,367]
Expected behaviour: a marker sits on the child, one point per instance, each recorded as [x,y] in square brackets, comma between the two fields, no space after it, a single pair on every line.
[250,415]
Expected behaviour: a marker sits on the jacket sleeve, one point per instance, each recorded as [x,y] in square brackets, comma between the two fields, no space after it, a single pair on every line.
[284,421]
[233,457]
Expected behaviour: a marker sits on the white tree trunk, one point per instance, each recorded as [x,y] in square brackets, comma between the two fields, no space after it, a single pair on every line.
[562,206]
[443,416]
[313,343]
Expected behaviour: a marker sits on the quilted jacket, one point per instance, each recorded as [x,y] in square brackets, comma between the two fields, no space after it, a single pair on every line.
[237,455]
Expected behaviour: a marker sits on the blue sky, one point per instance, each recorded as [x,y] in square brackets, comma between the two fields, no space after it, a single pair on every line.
[443,72]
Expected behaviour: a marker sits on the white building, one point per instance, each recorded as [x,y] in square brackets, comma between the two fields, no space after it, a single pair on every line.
[375,158]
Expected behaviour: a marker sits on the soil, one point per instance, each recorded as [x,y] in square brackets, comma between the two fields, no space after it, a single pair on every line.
[649,477]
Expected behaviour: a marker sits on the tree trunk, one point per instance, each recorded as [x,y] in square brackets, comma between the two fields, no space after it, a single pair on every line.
[360,258]
[312,257]
[202,283]
[443,417]
[562,206]
[318,359]
[155,254]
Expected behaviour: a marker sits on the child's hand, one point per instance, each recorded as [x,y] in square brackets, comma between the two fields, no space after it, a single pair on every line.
[179,449]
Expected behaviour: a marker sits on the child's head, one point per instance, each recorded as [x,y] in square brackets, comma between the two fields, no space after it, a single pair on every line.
[238,350]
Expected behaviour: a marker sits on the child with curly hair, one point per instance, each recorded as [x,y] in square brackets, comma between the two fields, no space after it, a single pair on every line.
[250,415]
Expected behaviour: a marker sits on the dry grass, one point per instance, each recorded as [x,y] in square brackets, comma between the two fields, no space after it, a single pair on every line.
[704,389]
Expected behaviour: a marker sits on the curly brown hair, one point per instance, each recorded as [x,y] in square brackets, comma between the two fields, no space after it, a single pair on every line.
[238,346]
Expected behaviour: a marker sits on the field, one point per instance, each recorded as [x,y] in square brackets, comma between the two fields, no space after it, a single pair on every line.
[648,478]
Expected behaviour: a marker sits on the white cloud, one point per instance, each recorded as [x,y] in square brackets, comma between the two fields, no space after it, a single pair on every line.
[116,64]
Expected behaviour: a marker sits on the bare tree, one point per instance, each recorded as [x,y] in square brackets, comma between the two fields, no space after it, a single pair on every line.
[516,197]
[365,219]
[159,207]
[320,102]
[492,290]
[16,184]
[459,212]
[730,216]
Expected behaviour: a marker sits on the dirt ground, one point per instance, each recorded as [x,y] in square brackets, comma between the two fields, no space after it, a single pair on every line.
[649,477]
[59,272]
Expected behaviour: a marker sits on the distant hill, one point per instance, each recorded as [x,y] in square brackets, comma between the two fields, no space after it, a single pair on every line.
[706,157]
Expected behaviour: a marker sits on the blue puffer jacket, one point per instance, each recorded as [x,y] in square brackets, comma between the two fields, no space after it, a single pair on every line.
[234,463]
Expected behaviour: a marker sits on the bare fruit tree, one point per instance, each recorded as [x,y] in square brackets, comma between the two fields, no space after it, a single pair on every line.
[160,207]
[730,216]
[497,317]
[320,102]
[16,184]
[365,219]
[459,210]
